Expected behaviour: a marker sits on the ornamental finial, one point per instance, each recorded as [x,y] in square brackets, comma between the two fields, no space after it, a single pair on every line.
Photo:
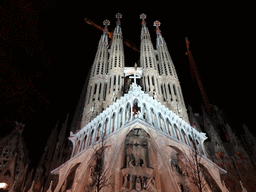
[143,17]
[106,23]
[157,24]
[118,16]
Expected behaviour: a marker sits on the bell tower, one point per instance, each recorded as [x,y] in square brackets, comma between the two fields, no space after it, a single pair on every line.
[148,62]
[97,83]
[115,68]
[169,86]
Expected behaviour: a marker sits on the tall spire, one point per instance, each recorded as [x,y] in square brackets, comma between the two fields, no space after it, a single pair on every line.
[148,62]
[147,56]
[116,58]
[104,37]
[160,39]
[94,97]
[115,65]
[100,61]
[144,29]
[165,61]
[170,86]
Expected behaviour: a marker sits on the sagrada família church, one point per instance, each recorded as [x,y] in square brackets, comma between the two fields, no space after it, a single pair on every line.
[133,132]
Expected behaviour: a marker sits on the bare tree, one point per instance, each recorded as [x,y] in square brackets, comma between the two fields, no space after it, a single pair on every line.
[99,172]
[194,170]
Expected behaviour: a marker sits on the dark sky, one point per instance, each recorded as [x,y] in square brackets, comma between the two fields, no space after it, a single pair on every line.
[46,50]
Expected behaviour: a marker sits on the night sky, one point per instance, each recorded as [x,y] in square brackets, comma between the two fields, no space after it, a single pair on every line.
[47,48]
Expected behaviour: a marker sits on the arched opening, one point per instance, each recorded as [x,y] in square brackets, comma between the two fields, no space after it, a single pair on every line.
[77,147]
[169,126]
[98,133]
[144,112]
[105,127]
[184,136]
[113,122]
[84,142]
[128,112]
[120,117]
[90,139]
[177,132]
[161,122]
[153,117]
[135,107]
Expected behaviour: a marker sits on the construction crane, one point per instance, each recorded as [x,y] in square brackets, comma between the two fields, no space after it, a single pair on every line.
[110,35]
[195,73]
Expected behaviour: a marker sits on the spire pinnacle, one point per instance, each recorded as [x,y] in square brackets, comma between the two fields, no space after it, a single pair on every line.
[106,23]
[118,16]
[157,24]
[143,17]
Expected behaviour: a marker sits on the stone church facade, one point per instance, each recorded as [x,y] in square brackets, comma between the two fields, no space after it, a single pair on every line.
[136,120]
[132,132]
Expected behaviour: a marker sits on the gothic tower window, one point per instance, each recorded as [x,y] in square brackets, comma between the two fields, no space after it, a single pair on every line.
[170,92]
[95,89]
[148,84]
[109,85]
[104,91]
[99,92]
[89,95]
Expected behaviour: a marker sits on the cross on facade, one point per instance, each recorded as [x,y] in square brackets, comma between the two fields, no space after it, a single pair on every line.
[134,73]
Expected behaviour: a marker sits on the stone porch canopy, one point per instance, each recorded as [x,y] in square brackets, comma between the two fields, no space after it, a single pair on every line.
[136,105]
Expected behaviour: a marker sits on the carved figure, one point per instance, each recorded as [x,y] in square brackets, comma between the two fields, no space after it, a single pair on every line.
[125,184]
[130,183]
[131,161]
[138,184]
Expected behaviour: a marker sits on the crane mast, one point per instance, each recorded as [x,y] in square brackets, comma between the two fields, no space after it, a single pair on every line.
[195,72]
